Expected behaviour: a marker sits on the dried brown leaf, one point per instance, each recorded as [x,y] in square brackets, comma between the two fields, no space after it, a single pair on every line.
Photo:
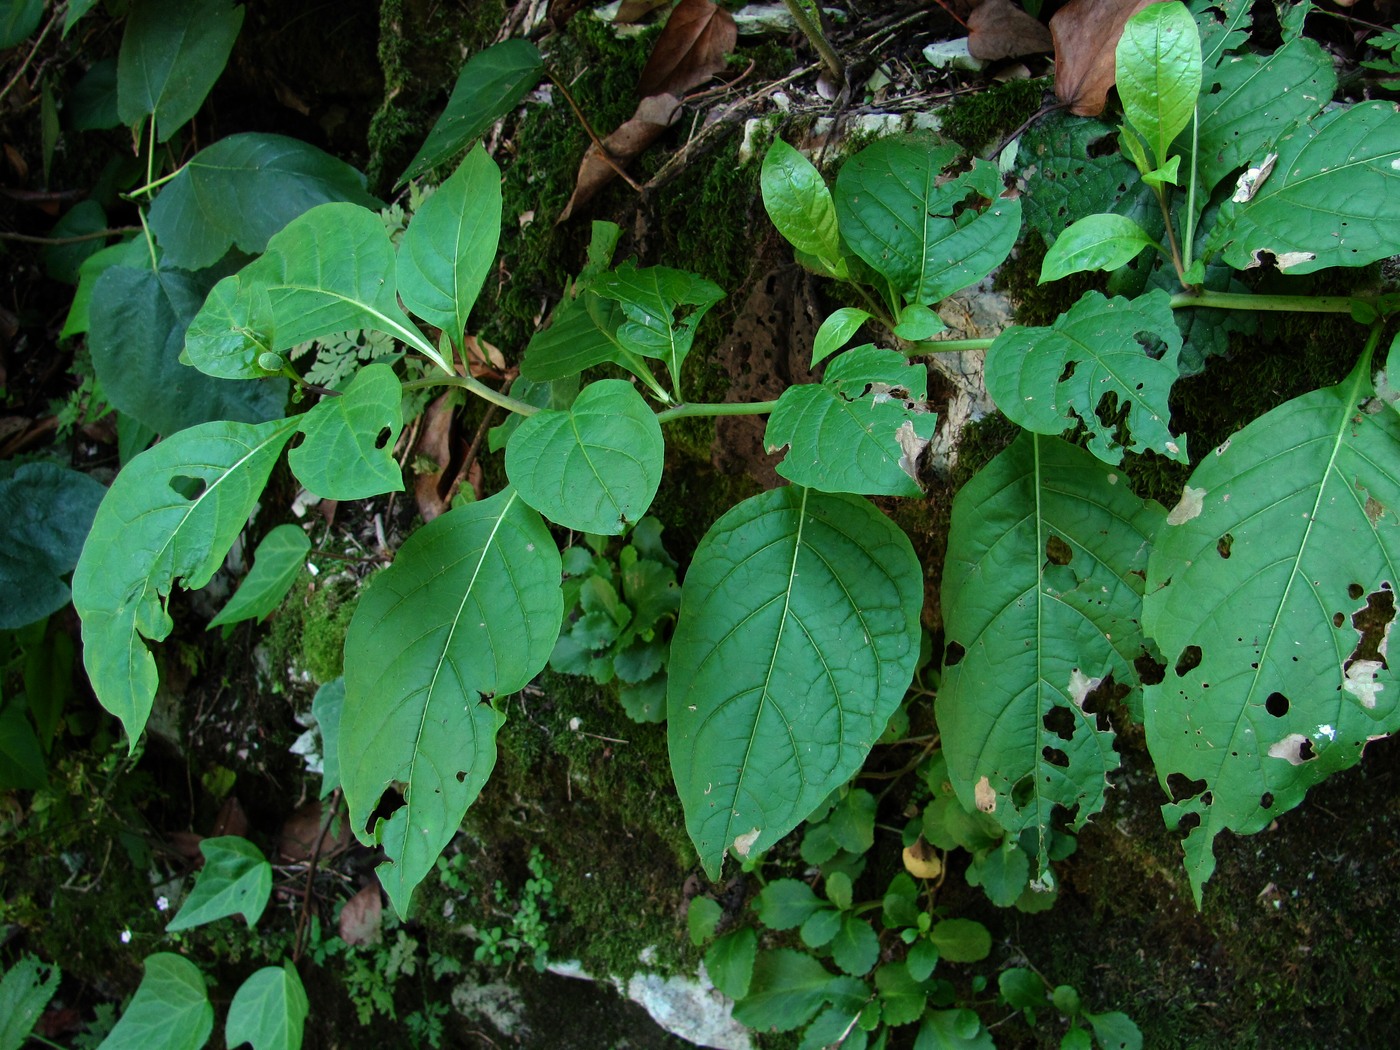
[231,819]
[186,843]
[654,115]
[690,50]
[297,842]
[1086,34]
[999,29]
[360,918]
[440,441]
[630,11]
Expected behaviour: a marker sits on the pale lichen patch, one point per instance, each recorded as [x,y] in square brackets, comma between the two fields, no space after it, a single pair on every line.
[985,796]
[1190,506]
[744,843]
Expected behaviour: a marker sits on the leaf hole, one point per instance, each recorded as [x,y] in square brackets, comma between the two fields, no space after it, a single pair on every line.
[461,776]
[1355,591]
[1266,800]
[389,803]
[1181,787]
[1068,372]
[1338,619]
[1058,551]
[187,487]
[1190,822]
[1104,147]
[1276,705]
[1149,671]
[1022,791]
[1188,661]
[298,439]
[952,656]
[382,438]
[1223,545]
[1060,721]
[1373,622]
[1055,757]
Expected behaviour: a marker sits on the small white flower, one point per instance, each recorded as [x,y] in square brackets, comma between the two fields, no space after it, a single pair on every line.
[162,903]
[126,936]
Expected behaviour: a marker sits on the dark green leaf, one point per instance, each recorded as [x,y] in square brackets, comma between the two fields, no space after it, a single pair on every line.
[852,821]
[1115,1031]
[650,300]
[327,707]
[787,989]
[921,960]
[1003,873]
[821,926]
[902,998]
[61,261]
[47,511]
[582,334]
[1022,989]
[643,701]
[26,989]
[172,52]
[92,104]
[785,904]
[236,879]
[276,563]
[856,947]
[19,18]
[701,918]
[961,940]
[953,1030]
[22,764]
[730,961]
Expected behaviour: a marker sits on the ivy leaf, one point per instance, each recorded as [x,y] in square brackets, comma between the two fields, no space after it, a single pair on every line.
[331,269]
[787,989]
[47,512]
[797,200]
[1049,379]
[1273,584]
[25,991]
[487,88]
[276,563]
[450,246]
[927,235]
[1347,156]
[349,448]
[860,430]
[172,514]
[1095,242]
[172,52]
[730,961]
[764,724]
[236,879]
[650,299]
[170,1011]
[242,190]
[953,1030]
[1047,545]
[1158,73]
[471,607]
[593,467]
[269,1010]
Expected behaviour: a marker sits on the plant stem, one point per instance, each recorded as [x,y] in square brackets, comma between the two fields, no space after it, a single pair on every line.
[24,66]
[477,387]
[1190,234]
[741,408]
[1171,233]
[1308,304]
[95,235]
[813,32]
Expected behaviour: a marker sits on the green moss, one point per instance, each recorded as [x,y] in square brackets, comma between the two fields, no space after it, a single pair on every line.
[981,119]
[307,633]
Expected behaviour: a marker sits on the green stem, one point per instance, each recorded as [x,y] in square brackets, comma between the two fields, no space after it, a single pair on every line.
[741,408]
[480,389]
[1309,304]
[150,240]
[813,32]
[1190,235]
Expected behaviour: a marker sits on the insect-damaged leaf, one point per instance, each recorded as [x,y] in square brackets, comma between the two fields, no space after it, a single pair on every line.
[349,448]
[1042,592]
[765,718]
[1271,593]
[470,607]
[691,49]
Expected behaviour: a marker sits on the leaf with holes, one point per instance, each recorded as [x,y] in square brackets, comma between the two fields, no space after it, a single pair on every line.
[471,607]
[797,637]
[170,1011]
[276,563]
[236,880]
[928,234]
[1271,593]
[172,52]
[349,448]
[859,430]
[1051,379]
[1042,591]
[593,467]
[651,298]
[1331,199]
[172,514]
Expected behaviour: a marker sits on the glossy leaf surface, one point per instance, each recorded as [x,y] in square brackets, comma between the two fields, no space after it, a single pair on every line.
[236,880]
[835,331]
[276,563]
[799,204]
[349,448]
[1096,242]
[1158,73]
[172,52]
[269,1010]
[170,1011]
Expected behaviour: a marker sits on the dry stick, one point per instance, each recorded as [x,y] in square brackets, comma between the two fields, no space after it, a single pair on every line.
[76,239]
[597,143]
[952,14]
[311,877]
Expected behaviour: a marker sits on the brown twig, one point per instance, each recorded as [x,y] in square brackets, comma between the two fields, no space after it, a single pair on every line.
[26,238]
[298,942]
[592,135]
[952,14]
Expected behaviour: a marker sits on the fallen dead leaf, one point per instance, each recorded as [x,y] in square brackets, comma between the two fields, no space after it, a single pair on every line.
[630,11]
[690,50]
[1086,34]
[297,840]
[922,861]
[999,29]
[360,918]
[186,843]
[654,115]
[441,442]
[231,819]
[484,360]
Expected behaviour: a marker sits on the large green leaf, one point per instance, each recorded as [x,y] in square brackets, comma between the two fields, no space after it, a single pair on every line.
[1220,35]
[593,467]
[787,988]
[1332,198]
[172,52]
[471,607]
[331,269]
[650,300]
[1050,379]
[489,86]
[276,563]
[242,190]
[138,322]
[1158,73]
[450,246]
[269,1010]
[170,1011]
[172,514]
[47,511]
[927,234]
[1042,592]
[797,200]
[26,989]
[1271,593]
[1103,241]
[582,334]
[349,448]
[236,880]
[797,637]
[859,430]
[1258,99]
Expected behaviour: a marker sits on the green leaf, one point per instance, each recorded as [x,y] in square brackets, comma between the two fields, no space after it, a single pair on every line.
[594,467]
[953,1030]
[138,321]
[488,87]
[643,701]
[349,448]
[269,1010]
[62,262]
[861,429]
[856,947]
[172,52]
[236,880]
[821,926]
[730,962]
[764,724]
[1047,545]
[701,918]
[276,563]
[172,514]
[92,104]
[1272,584]
[242,190]
[650,299]
[1066,1000]
[961,940]
[922,959]
[836,331]
[927,235]
[47,511]
[917,323]
[1076,1039]
[902,998]
[331,269]
[170,1011]
[1249,109]
[1115,1031]
[1022,989]
[327,708]
[22,763]
[785,904]
[26,989]
[1332,199]
[797,200]
[132,253]
[1095,242]
[787,989]
[1158,67]
[1050,379]
[18,19]
[852,822]
[470,607]
[839,889]
[1002,873]
[76,10]
[834,1027]
[901,902]
[582,334]
[1220,35]
[450,246]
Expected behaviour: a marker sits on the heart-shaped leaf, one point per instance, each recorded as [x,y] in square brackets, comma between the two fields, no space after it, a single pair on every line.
[236,880]
[172,52]
[170,1011]
[349,448]
[269,1010]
